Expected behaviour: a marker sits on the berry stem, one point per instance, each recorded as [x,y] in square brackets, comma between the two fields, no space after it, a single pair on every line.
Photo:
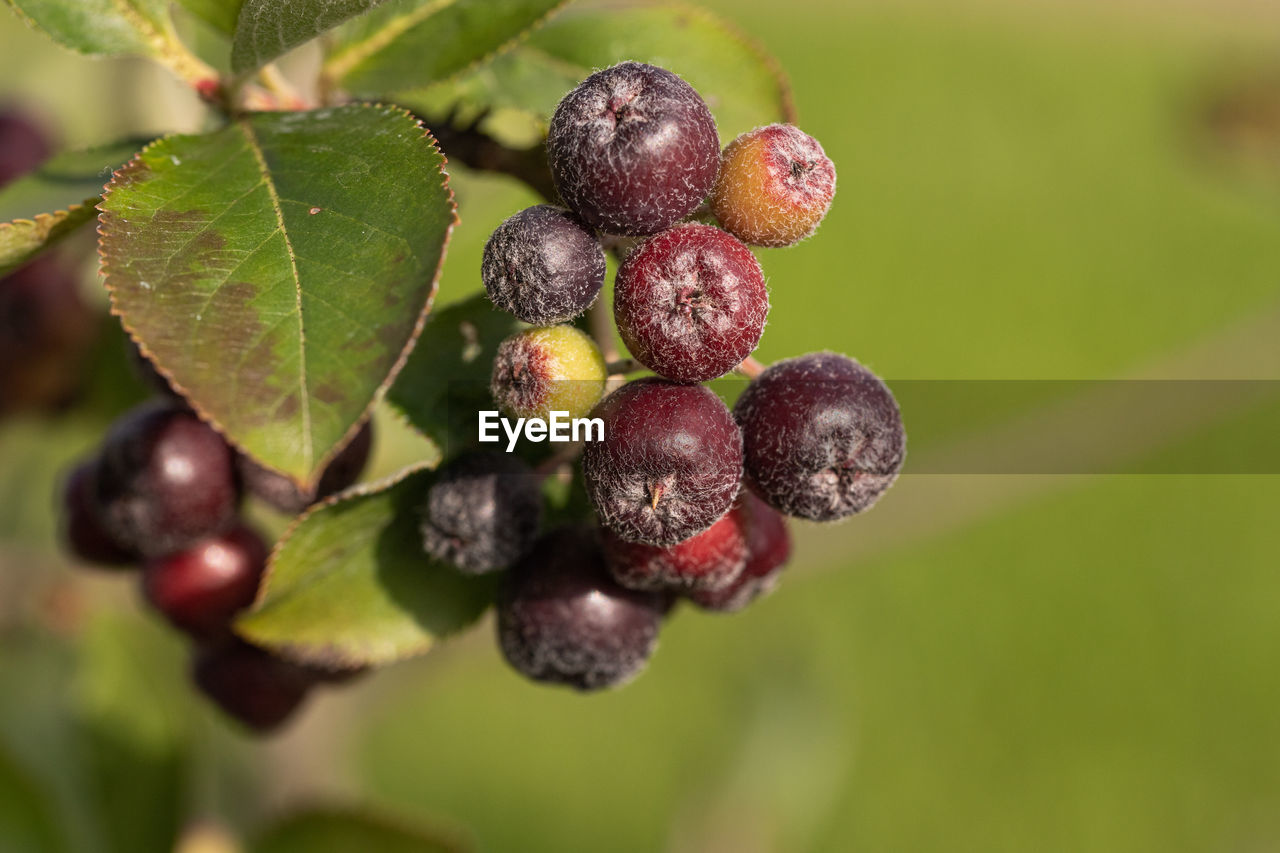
[623,366]
[750,368]
[601,320]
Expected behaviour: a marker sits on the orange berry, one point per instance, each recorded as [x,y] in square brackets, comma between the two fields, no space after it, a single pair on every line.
[775,186]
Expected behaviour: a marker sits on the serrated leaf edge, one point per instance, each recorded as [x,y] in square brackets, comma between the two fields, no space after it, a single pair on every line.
[379,392]
[49,221]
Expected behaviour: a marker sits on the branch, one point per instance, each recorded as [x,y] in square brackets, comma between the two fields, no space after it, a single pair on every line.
[472,147]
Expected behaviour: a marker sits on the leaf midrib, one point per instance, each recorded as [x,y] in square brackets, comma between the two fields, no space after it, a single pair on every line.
[255,148]
[347,60]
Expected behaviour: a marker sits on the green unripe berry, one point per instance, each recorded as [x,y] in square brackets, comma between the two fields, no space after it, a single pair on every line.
[548,369]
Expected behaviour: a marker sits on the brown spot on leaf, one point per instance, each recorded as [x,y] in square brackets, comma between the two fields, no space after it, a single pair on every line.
[133,172]
[329,393]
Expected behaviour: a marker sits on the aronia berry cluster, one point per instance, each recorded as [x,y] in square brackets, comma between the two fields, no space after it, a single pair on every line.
[689,497]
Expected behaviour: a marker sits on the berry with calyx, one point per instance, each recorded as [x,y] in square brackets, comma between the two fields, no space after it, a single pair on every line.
[775,186]
[288,497]
[23,145]
[670,463]
[482,512]
[563,620]
[250,684]
[165,480]
[543,265]
[202,588]
[633,149]
[711,560]
[691,303]
[822,436]
[768,546]
[552,369]
[82,532]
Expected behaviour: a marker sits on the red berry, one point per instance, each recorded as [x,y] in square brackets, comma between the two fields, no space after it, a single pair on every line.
[710,560]
[768,547]
[691,303]
[775,186]
[202,588]
[670,463]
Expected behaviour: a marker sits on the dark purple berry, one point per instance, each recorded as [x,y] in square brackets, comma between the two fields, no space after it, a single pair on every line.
[482,512]
[249,684]
[202,588]
[822,436]
[711,560]
[633,149]
[670,463]
[691,303]
[288,497]
[23,145]
[543,265]
[46,331]
[82,532]
[165,480]
[563,620]
[768,546]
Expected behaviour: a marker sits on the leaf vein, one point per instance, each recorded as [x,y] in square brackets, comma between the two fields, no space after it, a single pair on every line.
[305,401]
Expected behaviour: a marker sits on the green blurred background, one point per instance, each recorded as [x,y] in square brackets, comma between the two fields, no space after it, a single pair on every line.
[1073,189]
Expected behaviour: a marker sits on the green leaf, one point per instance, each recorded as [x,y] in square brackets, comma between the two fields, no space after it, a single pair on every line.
[67,178]
[102,27]
[744,86]
[350,585]
[220,14]
[340,832]
[133,734]
[268,28]
[28,819]
[446,380]
[23,239]
[279,269]
[418,42]
[68,186]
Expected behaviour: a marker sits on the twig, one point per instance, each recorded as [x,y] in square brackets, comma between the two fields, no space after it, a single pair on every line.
[623,366]
[601,322]
[467,144]
[750,368]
